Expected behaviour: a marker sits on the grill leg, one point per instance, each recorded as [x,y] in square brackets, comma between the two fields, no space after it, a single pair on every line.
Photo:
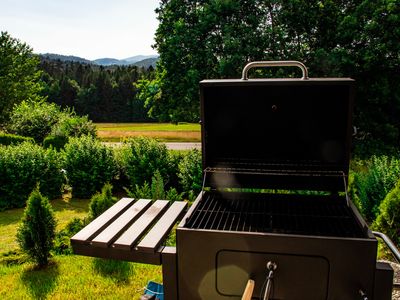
[383,281]
[169,271]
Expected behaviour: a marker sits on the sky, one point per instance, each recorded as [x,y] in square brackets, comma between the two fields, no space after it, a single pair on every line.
[86,28]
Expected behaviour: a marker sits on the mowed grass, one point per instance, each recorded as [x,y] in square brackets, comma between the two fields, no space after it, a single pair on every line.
[164,132]
[64,209]
[77,277]
[68,276]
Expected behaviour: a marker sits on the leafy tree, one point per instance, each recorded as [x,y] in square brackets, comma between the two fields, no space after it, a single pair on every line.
[19,76]
[34,119]
[215,38]
[37,230]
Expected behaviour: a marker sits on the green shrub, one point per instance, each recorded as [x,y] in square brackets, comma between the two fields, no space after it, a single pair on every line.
[142,157]
[37,230]
[89,165]
[388,220]
[34,119]
[374,183]
[100,202]
[190,171]
[173,195]
[174,158]
[353,191]
[55,141]
[155,191]
[13,139]
[62,241]
[157,186]
[140,192]
[22,167]
[71,125]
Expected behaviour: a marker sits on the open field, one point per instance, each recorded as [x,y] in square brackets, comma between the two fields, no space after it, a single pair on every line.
[68,276]
[165,132]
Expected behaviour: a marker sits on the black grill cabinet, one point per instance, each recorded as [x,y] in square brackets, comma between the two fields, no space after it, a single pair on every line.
[276,161]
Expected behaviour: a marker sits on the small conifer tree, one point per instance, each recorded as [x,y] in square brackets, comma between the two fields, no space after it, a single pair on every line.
[37,230]
[100,202]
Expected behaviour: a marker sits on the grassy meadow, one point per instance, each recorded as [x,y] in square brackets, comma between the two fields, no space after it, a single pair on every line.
[164,132]
[68,276]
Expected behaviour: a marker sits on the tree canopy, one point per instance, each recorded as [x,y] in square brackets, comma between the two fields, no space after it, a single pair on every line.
[19,75]
[199,39]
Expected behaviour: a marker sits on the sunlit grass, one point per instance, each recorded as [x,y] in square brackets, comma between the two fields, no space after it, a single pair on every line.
[163,132]
[68,277]
[77,277]
[147,127]
[65,210]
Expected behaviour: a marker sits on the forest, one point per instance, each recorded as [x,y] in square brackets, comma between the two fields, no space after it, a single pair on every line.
[105,94]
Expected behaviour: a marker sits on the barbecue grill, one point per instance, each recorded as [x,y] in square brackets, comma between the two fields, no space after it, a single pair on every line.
[274,212]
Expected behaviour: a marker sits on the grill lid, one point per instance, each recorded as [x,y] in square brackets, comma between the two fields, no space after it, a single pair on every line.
[277,127]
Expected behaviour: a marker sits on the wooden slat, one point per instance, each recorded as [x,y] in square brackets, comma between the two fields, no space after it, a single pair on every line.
[155,236]
[113,231]
[136,230]
[98,224]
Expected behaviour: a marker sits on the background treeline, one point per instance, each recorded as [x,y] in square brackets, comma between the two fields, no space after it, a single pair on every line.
[105,94]
[344,38]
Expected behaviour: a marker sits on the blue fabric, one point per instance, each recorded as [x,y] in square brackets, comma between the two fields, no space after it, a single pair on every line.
[154,288]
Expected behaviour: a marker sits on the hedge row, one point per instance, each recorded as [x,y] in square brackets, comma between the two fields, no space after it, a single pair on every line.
[13,139]
[86,165]
[22,167]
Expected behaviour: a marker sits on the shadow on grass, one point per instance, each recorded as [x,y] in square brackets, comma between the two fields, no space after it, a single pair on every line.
[118,270]
[40,282]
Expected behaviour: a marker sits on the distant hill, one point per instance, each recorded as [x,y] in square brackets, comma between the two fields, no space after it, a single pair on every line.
[139,60]
[146,63]
[65,58]
[109,62]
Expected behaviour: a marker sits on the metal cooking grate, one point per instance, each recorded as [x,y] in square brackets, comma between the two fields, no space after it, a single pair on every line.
[290,214]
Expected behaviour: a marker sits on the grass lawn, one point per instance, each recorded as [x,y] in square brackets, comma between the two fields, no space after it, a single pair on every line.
[165,132]
[69,276]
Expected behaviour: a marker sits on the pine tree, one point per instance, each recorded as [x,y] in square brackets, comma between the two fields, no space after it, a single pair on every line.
[37,230]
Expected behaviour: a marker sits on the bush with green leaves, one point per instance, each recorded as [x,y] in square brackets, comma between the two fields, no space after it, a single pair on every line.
[142,157]
[72,125]
[37,230]
[22,167]
[190,171]
[89,165]
[373,182]
[34,119]
[155,191]
[56,142]
[100,202]
[13,139]
[62,241]
[388,220]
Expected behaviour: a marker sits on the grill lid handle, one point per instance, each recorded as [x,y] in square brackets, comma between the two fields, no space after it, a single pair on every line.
[284,63]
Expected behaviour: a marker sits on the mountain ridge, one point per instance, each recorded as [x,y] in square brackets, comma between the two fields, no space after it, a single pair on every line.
[138,60]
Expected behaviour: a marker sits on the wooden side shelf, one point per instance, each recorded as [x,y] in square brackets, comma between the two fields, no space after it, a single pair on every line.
[130,230]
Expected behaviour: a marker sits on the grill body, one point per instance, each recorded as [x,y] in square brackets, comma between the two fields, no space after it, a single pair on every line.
[266,144]
[216,263]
